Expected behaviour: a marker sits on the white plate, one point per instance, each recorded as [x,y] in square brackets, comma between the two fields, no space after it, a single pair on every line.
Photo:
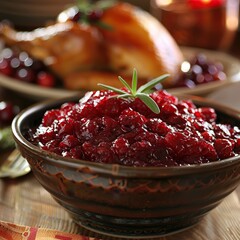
[34,91]
[228,96]
[231,67]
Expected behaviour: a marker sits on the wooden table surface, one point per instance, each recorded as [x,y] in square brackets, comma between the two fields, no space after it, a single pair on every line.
[23,201]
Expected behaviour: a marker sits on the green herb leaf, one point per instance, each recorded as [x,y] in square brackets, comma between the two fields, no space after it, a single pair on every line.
[140,93]
[105,4]
[127,95]
[6,138]
[134,81]
[125,83]
[112,88]
[146,87]
[83,5]
[149,102]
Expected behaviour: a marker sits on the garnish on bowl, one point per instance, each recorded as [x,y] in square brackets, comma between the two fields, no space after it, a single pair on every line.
[142,92]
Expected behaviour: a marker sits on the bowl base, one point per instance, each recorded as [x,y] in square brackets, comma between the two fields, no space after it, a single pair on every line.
[134,228]
[133,234]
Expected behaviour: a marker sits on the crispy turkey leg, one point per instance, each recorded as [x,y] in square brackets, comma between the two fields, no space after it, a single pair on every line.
[64,47]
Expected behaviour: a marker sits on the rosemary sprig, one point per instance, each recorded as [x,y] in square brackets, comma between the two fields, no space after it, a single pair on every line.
[141,92]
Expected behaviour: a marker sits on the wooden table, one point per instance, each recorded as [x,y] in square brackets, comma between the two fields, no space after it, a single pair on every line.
[23,201]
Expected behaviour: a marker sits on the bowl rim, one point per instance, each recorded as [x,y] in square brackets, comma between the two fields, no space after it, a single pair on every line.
[116,169]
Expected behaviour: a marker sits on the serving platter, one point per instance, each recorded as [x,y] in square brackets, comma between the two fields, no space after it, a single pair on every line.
[230,63]
[228,96]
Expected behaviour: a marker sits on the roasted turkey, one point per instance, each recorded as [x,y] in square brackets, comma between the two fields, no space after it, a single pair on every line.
[83,55]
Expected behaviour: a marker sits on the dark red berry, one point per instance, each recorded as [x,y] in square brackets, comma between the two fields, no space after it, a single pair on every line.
[237,146]
[25,74]
[208,114]
[25,68]
[5,67]
[169,109]
[69,141]
[156,125]
[95,15]
[49,117]
[201,71]
[140,150]
[45,79]
[130,120]
[224,148]
[7,112]
[120,146]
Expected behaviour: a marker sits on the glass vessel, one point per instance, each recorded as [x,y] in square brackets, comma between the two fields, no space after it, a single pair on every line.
[210,24]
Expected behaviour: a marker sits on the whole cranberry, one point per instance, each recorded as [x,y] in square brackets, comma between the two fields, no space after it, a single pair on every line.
[130,120]
[120,146]
[5,67]
[15,63]
[45,79]
[22,66]
[237,146]
[208,113]
[201,70]
[25,74]
[95,15]
[224,148]
[7,112]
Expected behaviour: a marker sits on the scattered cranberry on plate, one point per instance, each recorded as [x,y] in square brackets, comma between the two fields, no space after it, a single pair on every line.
[199,70]
[7,112]
[25,68]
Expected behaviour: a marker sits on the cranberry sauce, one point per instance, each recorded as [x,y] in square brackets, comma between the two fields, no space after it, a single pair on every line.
[101,128]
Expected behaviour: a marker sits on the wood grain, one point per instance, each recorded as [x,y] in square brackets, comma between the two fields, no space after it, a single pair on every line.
[23,201]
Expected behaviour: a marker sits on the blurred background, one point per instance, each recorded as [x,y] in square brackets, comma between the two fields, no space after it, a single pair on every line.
[203,23]
[211,24]
[27,14]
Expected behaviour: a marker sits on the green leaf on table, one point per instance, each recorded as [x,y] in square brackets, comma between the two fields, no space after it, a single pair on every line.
[6,138]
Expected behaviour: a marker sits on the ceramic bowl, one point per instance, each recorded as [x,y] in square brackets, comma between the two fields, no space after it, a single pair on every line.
[129,201]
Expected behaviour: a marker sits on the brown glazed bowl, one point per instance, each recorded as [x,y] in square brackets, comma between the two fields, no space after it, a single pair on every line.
[129,201]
